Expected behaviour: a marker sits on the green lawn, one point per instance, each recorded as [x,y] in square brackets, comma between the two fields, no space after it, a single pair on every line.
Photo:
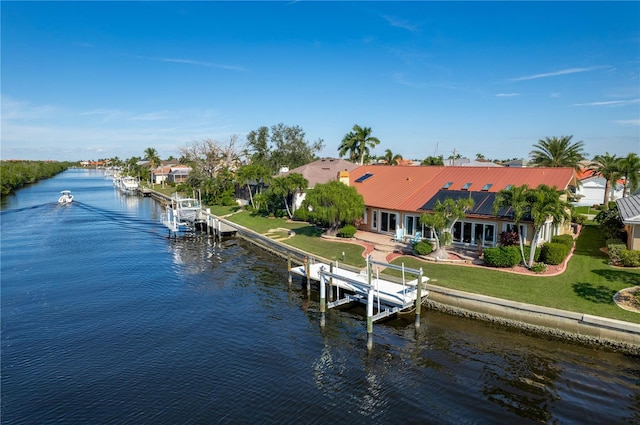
[587,285]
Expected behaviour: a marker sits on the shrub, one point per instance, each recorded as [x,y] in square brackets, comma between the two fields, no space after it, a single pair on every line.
[563,239]
[502,256]
[553,253]
[301,214]
[630,258]
[347,231]
[614,248]
[509,238]
[422,247]
[539,268]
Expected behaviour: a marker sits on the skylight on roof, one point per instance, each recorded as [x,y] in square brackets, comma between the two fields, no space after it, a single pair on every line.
[466,186]
[509,186]
[363,177]
[447,185]
[487,186]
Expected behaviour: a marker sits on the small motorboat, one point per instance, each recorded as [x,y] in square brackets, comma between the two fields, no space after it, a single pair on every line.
[65,198]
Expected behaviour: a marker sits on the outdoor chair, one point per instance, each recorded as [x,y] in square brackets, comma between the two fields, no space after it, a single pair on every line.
[416,238]
[399,237]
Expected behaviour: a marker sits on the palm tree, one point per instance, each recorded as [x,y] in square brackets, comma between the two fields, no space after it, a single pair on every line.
[557,152]
[252,174]
[288,185]
[433,160]
[606,166]
[630,169]
[390,158]
[544,205]
[358,143]
[514,200]
[154,160]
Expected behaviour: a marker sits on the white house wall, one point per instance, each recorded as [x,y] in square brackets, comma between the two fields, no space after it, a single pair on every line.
[592,192]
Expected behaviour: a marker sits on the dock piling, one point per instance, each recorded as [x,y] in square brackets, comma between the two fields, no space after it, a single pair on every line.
[323,297]
[418,299]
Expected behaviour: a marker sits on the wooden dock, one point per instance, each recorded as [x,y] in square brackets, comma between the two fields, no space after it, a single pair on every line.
[390,297]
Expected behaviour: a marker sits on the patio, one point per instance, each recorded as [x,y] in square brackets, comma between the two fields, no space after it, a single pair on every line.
[382,247]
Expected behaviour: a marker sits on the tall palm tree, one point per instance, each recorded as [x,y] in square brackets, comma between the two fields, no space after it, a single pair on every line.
[252,174]
[358,143]
[289,185]
[557,152]
[544,205]
[630,170]
[154,160]
[514,201]
[390,158]
[608,167]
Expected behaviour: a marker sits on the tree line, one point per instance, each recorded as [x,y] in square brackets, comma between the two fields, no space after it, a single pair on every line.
[16,174]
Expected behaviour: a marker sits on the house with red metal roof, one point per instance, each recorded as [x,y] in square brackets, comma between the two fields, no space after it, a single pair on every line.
[396,196]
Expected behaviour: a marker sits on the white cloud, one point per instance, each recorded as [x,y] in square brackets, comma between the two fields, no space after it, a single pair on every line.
[628,123]
[507,94]
[400,23]
[22,110]
[557,73]
[205,64]
[151,116]
[610,103]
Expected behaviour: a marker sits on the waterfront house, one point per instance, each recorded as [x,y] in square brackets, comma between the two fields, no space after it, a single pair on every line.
[178,173]
[629,209]
[397,196]
[319,172]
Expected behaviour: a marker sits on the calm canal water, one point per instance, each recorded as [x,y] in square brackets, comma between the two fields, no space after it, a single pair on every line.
[107,321]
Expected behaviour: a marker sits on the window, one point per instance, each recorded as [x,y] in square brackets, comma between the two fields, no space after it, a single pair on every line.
[447,185]
[466,186]
[363,177]
[487,186]
[388,221]
[375,219]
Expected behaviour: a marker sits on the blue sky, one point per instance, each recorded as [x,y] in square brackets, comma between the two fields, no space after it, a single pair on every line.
[90,80]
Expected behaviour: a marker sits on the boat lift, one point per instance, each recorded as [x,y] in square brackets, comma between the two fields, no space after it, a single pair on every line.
[383,296]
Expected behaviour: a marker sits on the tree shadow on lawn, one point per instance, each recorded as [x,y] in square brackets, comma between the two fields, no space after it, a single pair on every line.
[619,276]
[602,294]
[309,231]
[595,294]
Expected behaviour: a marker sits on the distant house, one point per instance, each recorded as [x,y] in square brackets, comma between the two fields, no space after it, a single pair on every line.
[466,162]
[591,189]
[397,196]
[629,209]
[161,174]
[178,174]
[319,172]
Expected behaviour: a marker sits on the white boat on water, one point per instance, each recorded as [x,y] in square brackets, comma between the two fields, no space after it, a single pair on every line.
[65,198]
[183,214]
[128,184]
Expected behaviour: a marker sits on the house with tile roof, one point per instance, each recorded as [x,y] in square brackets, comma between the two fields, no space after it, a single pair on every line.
[396,196]
[591,189]
[629,209]
[320,171]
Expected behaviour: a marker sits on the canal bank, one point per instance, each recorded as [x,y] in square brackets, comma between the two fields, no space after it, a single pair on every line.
[551,322]
[573,326]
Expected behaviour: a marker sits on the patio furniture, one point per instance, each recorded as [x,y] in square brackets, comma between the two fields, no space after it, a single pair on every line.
[416,238]
[399,237]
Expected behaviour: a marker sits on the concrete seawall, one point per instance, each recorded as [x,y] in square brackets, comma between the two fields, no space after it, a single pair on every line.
[584,328]
[617,334]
